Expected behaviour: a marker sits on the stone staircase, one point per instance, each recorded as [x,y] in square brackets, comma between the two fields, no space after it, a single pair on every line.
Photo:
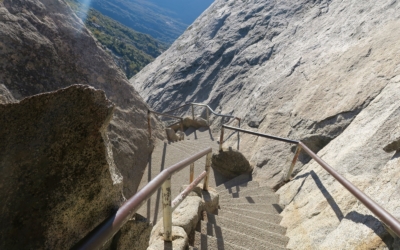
[166,154]
[248,215]
[248,218]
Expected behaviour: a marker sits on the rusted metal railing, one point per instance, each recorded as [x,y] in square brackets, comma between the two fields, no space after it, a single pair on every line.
[192,104]
[161,114]
[390,222]
[208,110]
[106,230]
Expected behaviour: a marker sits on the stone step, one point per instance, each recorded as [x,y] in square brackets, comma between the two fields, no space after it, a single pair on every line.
[243,192]
[204,242]
[234,236]
[259,199]
[232,189]
[244,222]
[166,154]
[267,217]
[265,208]
[187,147]
[235,181]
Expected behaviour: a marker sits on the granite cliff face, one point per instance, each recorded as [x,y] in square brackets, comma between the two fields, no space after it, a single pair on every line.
[44,47]
[324,72]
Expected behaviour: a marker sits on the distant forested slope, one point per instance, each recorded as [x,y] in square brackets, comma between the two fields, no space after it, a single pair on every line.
[186,10]
[141,15]
[131,50]
[162,19]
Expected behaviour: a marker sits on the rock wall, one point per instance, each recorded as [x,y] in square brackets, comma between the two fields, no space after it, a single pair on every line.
[325,72]
[44,47]
[55,168]
[301,69]
[320,213]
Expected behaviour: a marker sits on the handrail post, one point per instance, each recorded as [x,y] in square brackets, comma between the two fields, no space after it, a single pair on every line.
[183,134]
[191,173]
[149,122]
[167,212]
[208,116]
[192,112]
[208,165]
[221,138]
[296,156]
[238,136]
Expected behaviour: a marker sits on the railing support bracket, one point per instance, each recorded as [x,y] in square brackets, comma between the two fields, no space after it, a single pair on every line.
[296,156]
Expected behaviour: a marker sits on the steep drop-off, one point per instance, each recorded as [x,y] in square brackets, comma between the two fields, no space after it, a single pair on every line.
[324,72]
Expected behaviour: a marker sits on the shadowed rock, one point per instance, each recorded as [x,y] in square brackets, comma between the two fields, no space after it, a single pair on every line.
[394,144]
[231,163]
[57,178]
[198,122]
[134,235]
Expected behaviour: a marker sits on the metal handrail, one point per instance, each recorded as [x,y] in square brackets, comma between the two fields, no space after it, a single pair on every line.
[181,118]
[201,104]
[391,222]
[162,114]
[212,111]
[106,230]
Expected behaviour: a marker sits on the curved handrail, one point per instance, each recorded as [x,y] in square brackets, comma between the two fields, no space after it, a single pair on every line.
[149,111]
[212,111]
[111,225]
[162,114]
[389,220]
[204,105]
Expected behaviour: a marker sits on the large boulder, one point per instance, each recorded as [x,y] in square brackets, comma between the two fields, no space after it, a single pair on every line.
[44,46]
[231,163]
[197,122]
[58,179]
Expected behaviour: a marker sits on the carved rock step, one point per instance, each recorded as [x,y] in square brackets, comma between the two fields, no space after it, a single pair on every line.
[166,154]
[268,217]
[243,221]
[243,192]
[265,208]
[257,199]
[236,181]
[234,189]
[253,239]
[271,221]
[203,242]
